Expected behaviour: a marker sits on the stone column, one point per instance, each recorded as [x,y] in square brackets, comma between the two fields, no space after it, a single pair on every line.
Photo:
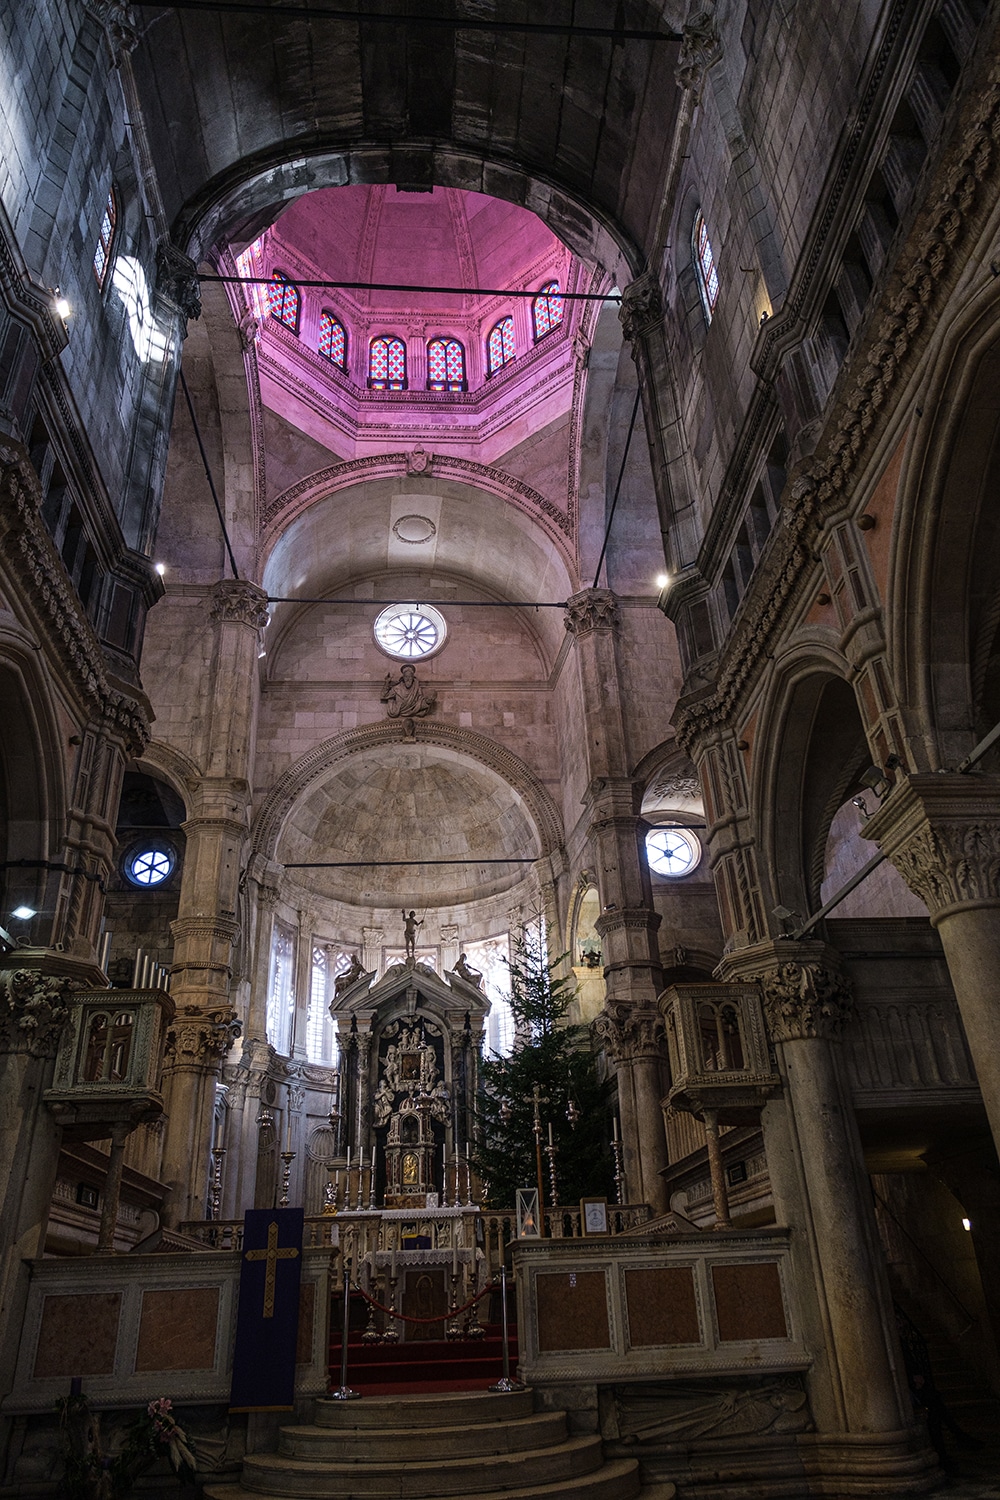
[942,832]
[206,928]
[819,1172]
[633,1039]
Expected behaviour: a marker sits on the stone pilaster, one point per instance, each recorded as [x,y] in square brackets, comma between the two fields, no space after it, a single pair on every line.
[817,1171]
[942,832]
[206,929]
[633,1039]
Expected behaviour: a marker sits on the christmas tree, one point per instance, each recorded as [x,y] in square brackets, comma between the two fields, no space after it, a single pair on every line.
[556,1055]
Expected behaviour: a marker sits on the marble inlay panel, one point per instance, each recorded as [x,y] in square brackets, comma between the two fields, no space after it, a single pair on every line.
[572,1310]
[662,1308]
[748,1302]
[177,1329]
[78,1335]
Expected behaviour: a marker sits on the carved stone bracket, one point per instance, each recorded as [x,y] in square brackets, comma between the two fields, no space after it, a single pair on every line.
[201,1037]
[177,279]
[943,836]
[120,27]
[700,48]
[642,307]
[594,609]
[240,601]
[33,1010]
[628,1035]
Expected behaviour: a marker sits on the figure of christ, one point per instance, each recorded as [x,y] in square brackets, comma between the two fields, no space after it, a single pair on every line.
[405,698]
[410,925]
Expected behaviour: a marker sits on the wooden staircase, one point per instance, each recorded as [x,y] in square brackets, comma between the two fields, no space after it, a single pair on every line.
[471,1444]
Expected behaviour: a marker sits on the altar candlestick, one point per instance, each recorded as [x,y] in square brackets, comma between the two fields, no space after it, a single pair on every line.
[454,1251]
[550,1132]
[392,1264]
[288,1133]
[614,1124]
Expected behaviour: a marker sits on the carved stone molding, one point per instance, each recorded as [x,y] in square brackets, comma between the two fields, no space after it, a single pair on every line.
[238,600]
[33,1010]
[201,1038]
[177,279]
[641,307]
[594,609]
[629,1035]
[627,918]
[54,605]
[943,835]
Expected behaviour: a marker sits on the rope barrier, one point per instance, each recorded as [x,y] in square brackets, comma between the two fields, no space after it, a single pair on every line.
[407,1318]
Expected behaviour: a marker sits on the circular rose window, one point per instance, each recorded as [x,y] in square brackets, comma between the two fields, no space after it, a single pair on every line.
[672,851]
[149,864]
[410,632]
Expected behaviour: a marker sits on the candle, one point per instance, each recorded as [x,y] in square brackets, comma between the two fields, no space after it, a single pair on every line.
[614,1122]
[348,1158]
[392,1264]
[288,1135]
[454,1256]
[550,1132]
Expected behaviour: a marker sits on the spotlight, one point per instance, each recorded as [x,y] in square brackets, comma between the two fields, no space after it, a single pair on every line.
[862,806]
[24,913]
[967,1224]
[785,916]
[161,568]
[875,780]
[662,579]
[62,306]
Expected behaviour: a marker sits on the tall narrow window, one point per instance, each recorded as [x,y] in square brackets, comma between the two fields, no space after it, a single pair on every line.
[387,365]
[321,1036]
[283,301]
[281,989]
[547,309]
[332,340]
[704,265]
[102,255]
[500,345]
[445,365]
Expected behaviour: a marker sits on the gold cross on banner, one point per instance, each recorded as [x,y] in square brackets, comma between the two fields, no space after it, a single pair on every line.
[272,1255]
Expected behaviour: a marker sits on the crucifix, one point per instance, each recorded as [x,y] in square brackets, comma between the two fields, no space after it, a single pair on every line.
[271,1255]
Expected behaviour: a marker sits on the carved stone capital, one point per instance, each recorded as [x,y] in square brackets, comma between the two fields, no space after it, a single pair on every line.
[943,835]
[120,26]
[629,1035]
[237,600]
[804,992]
[700,48]
[201,1038]
[33,1010]
[593,609]
[177,279]
[642,307]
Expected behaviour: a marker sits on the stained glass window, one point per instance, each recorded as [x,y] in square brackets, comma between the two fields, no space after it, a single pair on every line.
[283,301]
[547,309]
[387,365]
[445,365]
[704,265]
[102,255]
[281,989]
[500,345]
[332,339]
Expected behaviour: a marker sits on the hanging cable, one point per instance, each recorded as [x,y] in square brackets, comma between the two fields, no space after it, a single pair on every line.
[208,475]
[419,291]
[618,487]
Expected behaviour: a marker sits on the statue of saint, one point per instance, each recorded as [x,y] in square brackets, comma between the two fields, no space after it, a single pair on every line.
[405,698]
[465,971]
[349,977]
[410,925]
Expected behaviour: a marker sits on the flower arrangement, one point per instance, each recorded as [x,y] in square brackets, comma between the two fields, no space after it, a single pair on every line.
[94,1474]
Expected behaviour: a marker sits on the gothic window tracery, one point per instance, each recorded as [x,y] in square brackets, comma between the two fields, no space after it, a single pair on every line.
[281,989]
[704,265]
[332,339]
[445,365]
[547,309]
[321,1036]
[387,364]
[500,349]
[105,239]
[284,301]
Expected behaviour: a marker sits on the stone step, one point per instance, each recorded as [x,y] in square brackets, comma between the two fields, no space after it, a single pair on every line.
[443,1409]
[617,1480]
[372,1476]
[396,1444]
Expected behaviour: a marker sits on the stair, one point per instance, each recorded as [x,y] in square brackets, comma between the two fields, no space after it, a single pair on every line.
[423,1365]
[472,1444]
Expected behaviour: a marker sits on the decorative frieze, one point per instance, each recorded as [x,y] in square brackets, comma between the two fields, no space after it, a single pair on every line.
[34,1009]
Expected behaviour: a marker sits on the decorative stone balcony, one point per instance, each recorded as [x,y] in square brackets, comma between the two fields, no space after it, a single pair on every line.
[719,1055]
[107,1070]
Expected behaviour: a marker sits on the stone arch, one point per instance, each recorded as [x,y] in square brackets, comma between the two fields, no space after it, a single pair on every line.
[318,763]
[178,770]
[33,794]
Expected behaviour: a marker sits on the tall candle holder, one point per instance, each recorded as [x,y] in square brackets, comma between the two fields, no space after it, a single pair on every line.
[219,1156]
[454,1329]
[550,1152]
[391,1332]
[616,1147]
[371,1183]
[287,1157]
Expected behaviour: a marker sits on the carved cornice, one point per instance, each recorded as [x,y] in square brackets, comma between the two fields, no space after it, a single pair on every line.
[943,835]
[641,307]
[54,605]
[593,609]
[201,1038]
[911,305]
[235,599]
[318,764]
[629,1035]
[285,507]
[627,918]
[33,1010]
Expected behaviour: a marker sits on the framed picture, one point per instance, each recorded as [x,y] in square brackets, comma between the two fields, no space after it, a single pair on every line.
[594,1216]
[528,1220]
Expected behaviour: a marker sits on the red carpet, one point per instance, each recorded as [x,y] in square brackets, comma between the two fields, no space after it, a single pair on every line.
[427,1365]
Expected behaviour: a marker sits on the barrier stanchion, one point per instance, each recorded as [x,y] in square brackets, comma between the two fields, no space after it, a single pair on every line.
[343,1392]
[505,1383]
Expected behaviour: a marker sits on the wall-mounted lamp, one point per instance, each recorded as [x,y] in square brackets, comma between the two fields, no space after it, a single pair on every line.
[785,915]
[24,913]
[662,580]
[967,1225]
[63,308]
[160,568]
